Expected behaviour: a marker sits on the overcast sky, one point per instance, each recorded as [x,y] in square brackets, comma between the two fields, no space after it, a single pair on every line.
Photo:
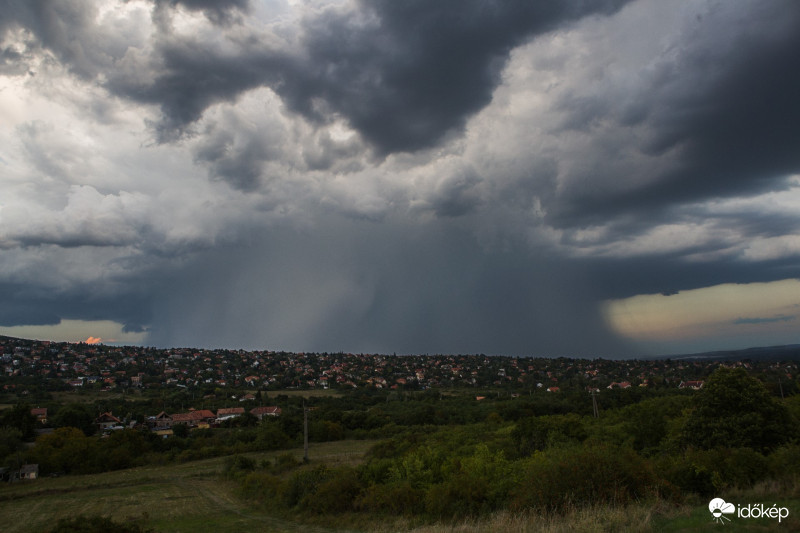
[571,178]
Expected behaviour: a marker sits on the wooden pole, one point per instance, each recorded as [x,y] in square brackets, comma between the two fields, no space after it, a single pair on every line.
[305,432]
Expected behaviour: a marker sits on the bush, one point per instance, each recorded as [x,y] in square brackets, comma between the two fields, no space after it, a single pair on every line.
[707,472]
[537,433]
[559,479]
[395,498]
[262,487]
[337,494]
[238,464]
[784,463]
[96,524]
[303,484]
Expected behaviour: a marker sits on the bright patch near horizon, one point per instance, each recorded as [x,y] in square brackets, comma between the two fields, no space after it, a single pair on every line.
[89,331]
[727,311]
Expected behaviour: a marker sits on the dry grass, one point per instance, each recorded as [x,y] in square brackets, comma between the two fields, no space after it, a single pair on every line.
[187,497]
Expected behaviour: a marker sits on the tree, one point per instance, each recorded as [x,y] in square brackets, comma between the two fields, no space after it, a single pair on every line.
[735,410]
[20,417]
[75,415]
[10,441]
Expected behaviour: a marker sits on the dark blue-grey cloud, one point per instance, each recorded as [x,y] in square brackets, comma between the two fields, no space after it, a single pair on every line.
[414,72]
[403,287]
[723,99]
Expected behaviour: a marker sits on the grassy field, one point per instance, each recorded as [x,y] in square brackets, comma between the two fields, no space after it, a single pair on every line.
[192,497]
[189,497]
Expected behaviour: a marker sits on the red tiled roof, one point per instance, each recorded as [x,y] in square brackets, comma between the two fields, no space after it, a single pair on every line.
[227,411]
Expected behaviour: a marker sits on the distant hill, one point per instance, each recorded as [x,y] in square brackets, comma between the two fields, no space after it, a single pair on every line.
[789,352]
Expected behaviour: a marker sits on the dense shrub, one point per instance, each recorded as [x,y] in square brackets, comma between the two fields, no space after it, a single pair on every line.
[262,487]
[537,433]
[96,524]
[784,463]
[579,476]
[707,472]
[338,493]
[303,484]
[394,498]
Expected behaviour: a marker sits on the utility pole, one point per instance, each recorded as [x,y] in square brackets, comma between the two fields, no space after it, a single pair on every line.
[594,404]
[305,433]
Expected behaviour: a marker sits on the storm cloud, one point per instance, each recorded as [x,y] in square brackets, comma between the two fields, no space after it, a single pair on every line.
[391,176]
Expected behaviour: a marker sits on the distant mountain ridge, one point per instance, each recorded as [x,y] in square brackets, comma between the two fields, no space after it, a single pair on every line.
[788,352]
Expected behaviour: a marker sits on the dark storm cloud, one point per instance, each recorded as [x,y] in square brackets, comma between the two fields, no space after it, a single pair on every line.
[613,278]
[407,73]
[26,304]
[404,287]
[193,78]
[404,74]
[404,77]
[724,100]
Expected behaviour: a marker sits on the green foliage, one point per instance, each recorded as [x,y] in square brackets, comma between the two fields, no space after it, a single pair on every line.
[238,463]
[10,441]
[303,484]
[262,487]
[20,418]
[338,493]
[394,498]
[474,485]
[784,463]
[180,430]
[735,410]
[537,433]
[96,524]
[582,476]
[707,472]
[75,415]
[647,422]
[65,450]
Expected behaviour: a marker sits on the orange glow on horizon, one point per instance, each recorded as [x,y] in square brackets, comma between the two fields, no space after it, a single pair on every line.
[93,340]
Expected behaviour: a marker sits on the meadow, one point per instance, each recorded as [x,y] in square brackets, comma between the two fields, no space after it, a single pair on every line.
[196,496]
[429,463]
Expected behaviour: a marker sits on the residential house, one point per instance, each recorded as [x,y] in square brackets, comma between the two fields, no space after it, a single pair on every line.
[261,412]
[29,471]
[107,421]
[40,413]
[229,412]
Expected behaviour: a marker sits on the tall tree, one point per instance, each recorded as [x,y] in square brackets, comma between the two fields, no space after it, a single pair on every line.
[735,410]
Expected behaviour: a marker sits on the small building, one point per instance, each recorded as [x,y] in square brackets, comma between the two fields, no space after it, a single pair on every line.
[40,413]
[29,471]
[694,385]
[261,412]
[107,421]
[229,412]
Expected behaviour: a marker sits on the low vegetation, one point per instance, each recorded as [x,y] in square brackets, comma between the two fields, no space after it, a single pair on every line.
[538,463]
